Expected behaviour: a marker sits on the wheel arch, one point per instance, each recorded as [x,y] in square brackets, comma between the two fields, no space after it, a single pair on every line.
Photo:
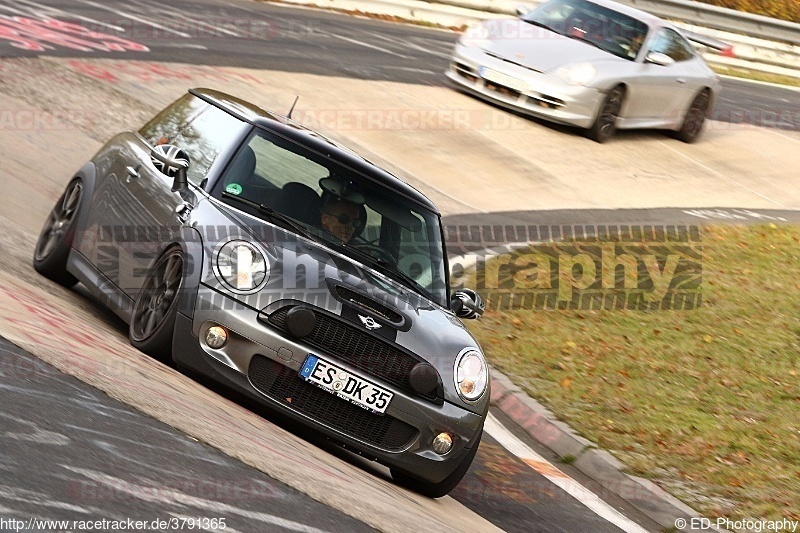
[88,175]
[190,241]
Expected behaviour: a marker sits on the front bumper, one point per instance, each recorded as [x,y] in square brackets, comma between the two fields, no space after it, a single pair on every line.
[522,89]
[263,363]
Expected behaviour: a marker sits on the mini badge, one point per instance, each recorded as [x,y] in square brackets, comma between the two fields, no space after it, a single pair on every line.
[234,188]
[369,322]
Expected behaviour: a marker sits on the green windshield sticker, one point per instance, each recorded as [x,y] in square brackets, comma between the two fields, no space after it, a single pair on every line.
[234,188]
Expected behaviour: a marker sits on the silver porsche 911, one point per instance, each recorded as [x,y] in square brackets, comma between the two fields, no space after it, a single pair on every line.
[597,64]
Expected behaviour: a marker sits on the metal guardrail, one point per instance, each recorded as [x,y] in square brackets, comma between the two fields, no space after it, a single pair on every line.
[696,13]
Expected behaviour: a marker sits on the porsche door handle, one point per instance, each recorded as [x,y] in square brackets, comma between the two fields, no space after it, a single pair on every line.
[681,80]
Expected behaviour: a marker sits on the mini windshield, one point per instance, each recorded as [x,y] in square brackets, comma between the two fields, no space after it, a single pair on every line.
[340,207]
[604,28]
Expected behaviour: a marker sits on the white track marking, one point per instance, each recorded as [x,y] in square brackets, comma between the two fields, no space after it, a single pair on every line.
[141,20]
[41,11]
[588,498]
[720,174]
[171,496]
[365,45]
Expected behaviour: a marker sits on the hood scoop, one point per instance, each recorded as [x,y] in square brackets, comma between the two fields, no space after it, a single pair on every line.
[363,303]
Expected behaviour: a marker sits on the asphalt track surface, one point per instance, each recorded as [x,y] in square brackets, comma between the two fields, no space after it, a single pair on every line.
[257,35]
[94,468]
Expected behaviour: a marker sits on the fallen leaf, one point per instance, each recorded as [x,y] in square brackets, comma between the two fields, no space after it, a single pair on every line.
[566,382]
[707,338]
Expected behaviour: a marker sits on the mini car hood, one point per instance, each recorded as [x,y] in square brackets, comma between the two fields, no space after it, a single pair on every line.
[534,47]
[303,271]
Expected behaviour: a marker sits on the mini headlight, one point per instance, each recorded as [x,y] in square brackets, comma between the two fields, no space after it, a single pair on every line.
[471,374]
[241,266]
[577,74]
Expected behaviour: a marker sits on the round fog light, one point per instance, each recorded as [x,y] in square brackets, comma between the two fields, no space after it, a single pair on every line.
[216,337]
[442,443]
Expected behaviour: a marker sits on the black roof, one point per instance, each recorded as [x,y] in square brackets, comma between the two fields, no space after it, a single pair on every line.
[283,125]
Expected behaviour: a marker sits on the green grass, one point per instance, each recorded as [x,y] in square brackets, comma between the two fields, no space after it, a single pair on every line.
[704,402]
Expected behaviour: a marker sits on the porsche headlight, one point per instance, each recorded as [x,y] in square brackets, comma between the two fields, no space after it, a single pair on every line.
[241,266]
[577,74]
[471,374]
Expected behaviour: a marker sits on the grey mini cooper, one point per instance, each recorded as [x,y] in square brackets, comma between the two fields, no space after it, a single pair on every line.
[261,254]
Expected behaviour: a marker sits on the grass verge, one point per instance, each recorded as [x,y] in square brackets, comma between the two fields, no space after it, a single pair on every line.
[756,75]
[705,402]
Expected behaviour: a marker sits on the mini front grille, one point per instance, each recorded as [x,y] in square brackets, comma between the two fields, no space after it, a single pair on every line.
[282,384]
[359,349]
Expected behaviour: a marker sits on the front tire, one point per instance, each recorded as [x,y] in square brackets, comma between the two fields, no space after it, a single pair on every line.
[694,118]
[442,488]
[58,233]
[153,319]
[605,125]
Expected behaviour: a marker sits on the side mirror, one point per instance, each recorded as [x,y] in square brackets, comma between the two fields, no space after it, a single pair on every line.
[467,304]
[173,163]
[521,9]
[657,58]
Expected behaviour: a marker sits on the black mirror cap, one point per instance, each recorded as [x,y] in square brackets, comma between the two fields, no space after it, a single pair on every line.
[172,162]
[466,303]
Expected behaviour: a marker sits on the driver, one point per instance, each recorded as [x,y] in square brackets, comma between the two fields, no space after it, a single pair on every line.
[340,218]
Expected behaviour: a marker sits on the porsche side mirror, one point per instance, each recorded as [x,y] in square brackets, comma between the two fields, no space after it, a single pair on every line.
[172,162]
[522,9]
[466,303]
[657,58]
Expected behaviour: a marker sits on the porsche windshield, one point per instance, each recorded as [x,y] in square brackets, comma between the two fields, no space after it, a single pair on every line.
[604,28]
[350,212]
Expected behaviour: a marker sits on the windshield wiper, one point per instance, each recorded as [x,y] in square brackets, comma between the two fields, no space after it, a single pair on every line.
[274,215]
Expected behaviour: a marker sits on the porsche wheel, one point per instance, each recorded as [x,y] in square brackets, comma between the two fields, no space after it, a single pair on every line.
[442,488]
[153,318]
[695,118]
[605,125]
[58,232]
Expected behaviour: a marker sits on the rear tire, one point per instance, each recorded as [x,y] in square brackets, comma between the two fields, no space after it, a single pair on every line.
[55,240]
[442,488]
[153,319]
[605,125]
[694,118]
